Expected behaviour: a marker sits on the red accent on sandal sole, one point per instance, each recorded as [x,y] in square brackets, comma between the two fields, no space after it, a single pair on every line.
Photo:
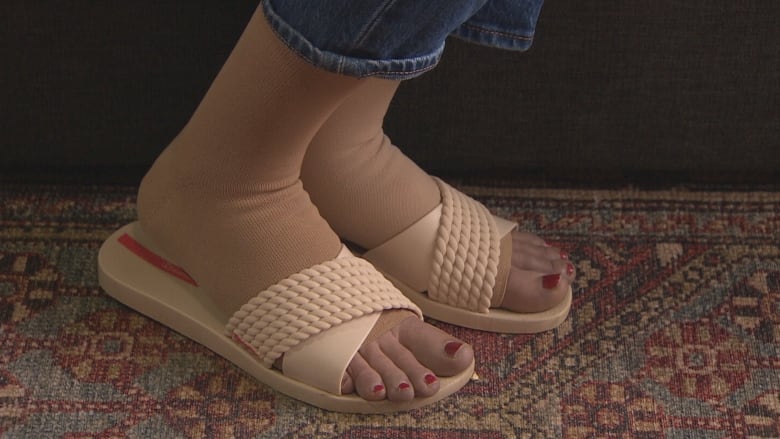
[246,345]
[158,261]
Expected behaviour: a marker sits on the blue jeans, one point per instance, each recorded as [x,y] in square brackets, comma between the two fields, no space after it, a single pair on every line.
[396,39]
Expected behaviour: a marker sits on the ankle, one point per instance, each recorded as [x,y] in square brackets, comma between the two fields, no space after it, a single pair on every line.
[234,240]
[368,194]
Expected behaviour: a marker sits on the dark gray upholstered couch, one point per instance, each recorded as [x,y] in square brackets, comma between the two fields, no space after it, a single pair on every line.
[627,87]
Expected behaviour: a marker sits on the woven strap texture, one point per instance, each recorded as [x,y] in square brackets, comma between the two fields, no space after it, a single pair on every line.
[466,254]
[312,301]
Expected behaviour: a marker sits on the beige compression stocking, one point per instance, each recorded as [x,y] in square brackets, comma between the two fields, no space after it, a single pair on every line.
[363,185]
[224,200]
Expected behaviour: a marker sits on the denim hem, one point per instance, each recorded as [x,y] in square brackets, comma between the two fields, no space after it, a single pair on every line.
[483,36]
[397,69]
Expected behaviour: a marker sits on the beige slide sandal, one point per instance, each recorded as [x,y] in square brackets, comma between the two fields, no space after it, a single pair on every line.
[448,263]
[311,319]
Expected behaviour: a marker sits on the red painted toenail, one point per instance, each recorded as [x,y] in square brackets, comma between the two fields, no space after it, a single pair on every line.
[564,255]
[550,281]
[430,378]
[452,347]
[378,388]
[404,386]
[569,269]
[546,244]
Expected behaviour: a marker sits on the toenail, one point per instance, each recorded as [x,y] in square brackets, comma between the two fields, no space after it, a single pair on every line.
[452,347]
[378,388]
[569,269]
[550,281]
[404,386]
[430,378]
[564,255]
[546,244]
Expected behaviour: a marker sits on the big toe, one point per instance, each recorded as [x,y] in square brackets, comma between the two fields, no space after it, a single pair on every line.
[442,353]
[406,362]
[540,275]
[529,291]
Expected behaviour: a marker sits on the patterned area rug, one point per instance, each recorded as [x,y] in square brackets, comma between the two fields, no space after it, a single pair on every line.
[675,331]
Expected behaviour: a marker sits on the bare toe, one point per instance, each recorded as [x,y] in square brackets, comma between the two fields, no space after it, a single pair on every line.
[399,387]
[423,380]
[528,238]
[406,362]
[367,381]
[529,254]
[347,384]
[530,291]
[442,353]
[540,276]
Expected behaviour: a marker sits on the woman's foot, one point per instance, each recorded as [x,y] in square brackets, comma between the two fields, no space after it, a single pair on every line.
[540,275]
[369,191]
[406,361]
[225,203]
[401,359]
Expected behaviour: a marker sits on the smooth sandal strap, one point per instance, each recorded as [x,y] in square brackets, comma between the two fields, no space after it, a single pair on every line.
[321,361]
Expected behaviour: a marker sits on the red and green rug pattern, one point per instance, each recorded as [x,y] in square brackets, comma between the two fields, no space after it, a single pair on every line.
[674,331]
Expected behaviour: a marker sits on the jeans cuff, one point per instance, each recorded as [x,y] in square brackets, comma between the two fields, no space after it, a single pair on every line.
[346,65]
[493,38]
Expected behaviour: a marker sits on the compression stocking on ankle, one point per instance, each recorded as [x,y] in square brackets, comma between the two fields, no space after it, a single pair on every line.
[369,191]
[224,200]
[363,185]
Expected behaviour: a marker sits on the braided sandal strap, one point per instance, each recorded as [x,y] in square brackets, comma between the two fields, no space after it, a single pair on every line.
[311,301]
[466,254]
